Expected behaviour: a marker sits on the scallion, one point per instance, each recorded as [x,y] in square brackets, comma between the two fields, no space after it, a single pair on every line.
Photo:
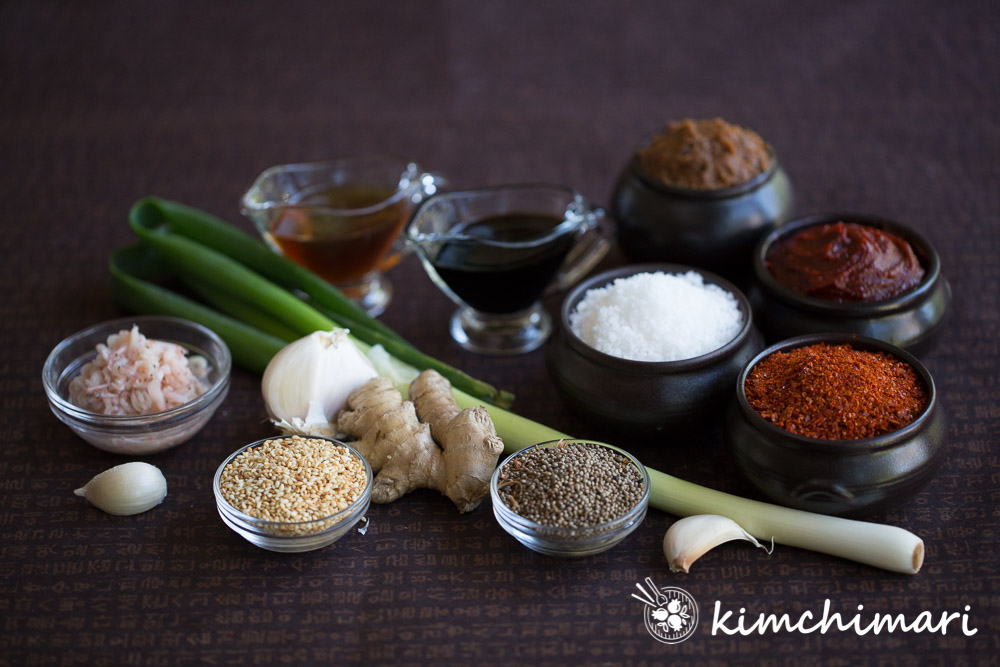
[132,271]
[154,214]
[219,259]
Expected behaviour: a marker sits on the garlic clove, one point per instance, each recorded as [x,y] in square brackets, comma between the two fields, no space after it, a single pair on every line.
[690,538]
[308,381]
[130,488]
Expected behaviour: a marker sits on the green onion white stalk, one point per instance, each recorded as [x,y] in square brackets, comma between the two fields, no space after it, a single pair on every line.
[233,272]
[879,545]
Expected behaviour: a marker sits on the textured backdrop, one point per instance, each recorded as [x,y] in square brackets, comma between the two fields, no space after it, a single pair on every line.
[886,108]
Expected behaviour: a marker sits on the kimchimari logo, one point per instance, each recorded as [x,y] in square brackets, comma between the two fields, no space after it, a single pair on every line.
[807,622]
[669,614]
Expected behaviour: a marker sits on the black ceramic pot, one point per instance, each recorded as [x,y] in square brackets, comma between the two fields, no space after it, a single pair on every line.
[711,229]
[913,321]
[643,397]
[840,477]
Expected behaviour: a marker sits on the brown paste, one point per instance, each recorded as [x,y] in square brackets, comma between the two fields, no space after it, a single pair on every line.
[704,155]
[845,261]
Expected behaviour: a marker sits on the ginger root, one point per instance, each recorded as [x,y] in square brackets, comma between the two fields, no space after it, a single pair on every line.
[425,442]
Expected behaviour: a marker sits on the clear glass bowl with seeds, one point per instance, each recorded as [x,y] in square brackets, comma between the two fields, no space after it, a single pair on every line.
[293,494]
[570,506]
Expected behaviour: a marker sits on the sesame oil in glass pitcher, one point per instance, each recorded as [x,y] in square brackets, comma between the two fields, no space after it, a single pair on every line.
[341,219]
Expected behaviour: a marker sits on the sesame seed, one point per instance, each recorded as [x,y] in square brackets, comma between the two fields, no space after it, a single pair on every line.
[294,480]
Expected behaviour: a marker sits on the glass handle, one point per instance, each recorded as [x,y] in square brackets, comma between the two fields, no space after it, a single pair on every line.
[592,247]
[428,183]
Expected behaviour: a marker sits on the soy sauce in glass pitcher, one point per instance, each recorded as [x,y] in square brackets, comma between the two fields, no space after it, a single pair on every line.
[496,251]
[505,275]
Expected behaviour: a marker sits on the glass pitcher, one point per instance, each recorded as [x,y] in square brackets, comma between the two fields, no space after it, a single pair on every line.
[340,218]
[497,251]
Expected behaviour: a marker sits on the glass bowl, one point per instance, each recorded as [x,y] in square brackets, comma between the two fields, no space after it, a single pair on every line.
[839,477]
[292,536]
[137,434]
[642,398]
[562,541]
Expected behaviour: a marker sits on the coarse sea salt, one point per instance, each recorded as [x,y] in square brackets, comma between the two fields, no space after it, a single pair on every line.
[657,317]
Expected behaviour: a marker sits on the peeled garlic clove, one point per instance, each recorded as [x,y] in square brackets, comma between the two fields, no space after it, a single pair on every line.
[690,538]
[127,489]
[307,383]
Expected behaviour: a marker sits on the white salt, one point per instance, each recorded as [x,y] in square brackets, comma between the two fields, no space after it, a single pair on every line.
[657,317]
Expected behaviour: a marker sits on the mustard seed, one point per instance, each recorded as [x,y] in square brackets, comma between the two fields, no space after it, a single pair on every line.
[571,485]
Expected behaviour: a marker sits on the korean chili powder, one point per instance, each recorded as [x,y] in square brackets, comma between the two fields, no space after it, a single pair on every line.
[835,392]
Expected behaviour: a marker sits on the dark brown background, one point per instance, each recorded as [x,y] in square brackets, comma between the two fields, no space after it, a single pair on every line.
[887,108]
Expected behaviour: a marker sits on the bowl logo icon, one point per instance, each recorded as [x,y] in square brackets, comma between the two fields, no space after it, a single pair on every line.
[670,614]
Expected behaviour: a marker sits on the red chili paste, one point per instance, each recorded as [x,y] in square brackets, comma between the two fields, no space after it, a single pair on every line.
[845,261]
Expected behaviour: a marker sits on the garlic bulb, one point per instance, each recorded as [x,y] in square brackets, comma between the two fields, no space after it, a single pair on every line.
[690,538]
[307,383]
[126,489]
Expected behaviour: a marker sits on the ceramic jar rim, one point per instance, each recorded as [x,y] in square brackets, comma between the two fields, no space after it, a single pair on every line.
[700,193]
[791,440]
[926,253]
[653,367]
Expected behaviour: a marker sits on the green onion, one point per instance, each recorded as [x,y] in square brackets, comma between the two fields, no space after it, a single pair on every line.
[155,214]
[243,293]
[887,547]
[241,310]
[215,269]
[134,267]
[403,351]
[215,259]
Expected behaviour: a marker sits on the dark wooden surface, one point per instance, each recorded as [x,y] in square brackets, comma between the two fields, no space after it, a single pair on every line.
[886,108]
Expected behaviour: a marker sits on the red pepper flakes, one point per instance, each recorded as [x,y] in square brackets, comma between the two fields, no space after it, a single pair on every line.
[836,392]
